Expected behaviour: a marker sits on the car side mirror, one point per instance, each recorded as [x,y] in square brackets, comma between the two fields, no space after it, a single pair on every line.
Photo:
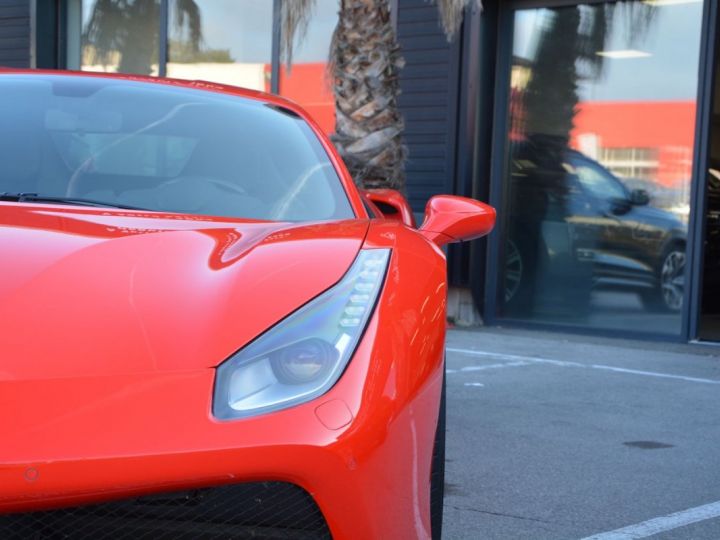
[639,197]
[620,206]
[449,219]
[392,205]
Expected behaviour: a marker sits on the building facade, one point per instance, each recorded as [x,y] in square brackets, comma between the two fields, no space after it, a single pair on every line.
[591,126]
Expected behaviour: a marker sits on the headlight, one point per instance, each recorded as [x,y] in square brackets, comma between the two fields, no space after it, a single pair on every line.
[304,355]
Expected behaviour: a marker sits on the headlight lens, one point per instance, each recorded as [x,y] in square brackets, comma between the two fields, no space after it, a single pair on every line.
[304,355]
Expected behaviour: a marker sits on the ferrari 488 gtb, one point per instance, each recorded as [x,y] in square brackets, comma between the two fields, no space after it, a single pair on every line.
[207,331]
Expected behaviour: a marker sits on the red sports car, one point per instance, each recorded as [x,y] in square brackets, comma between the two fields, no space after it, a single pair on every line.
[207,331]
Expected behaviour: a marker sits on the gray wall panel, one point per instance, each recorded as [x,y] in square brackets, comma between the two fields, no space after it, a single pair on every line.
[429,84]
[15,33]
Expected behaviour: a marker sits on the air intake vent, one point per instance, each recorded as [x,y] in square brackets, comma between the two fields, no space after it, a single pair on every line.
[267,510]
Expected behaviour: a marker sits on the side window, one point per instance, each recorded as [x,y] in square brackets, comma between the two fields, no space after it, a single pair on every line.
[371,209]
[596,181]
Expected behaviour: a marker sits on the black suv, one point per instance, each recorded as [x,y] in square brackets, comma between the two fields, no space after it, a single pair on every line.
[575,227]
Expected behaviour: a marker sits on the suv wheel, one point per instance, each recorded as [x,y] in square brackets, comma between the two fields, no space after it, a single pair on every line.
[668,296]
[513,270]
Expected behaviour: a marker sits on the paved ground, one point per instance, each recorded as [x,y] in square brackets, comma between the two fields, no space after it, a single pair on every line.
[547,439]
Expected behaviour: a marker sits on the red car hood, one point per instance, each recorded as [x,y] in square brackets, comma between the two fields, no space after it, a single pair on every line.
[100,292]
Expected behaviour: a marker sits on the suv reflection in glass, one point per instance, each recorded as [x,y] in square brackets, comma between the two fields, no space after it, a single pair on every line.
[574,227]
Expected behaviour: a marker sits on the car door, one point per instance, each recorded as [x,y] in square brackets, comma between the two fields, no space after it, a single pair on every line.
[617,253]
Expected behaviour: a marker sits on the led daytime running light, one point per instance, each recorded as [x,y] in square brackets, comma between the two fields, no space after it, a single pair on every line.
[304,355]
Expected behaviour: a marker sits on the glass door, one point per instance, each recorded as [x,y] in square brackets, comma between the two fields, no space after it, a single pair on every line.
[598,164]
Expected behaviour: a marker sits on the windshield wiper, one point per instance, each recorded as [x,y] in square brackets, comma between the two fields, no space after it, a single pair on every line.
[34,197]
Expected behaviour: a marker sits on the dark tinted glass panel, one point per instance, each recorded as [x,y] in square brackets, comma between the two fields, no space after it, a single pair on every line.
[163,148]
[600,153]
[223,41]
[709,328]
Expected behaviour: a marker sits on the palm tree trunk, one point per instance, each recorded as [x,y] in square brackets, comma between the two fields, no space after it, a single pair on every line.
[365,62]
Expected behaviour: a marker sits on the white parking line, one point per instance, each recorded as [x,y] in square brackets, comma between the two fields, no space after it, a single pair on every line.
[501,356]
[654,374]
[474,384]
[494,366]
[661,524]
[518,360]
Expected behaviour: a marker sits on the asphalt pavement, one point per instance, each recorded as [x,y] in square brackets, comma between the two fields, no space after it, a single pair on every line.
[567,437]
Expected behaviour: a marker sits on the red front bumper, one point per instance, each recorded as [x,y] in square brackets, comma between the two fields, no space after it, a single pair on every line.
[364,457]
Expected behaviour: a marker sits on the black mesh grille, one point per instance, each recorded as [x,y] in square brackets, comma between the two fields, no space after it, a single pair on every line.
[271,510]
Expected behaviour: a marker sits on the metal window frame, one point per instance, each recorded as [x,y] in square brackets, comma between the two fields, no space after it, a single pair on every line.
[46,35]
[163,36]
[484,54]
[459,96]
[33,34]
[62,35]
[276,43]
[498,189]
[473,135]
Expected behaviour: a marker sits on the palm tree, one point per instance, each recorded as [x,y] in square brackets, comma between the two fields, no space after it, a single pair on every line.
[567,55]
[364,65]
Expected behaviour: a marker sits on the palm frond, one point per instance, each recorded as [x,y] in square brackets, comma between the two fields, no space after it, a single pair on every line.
[187,11]
[451,14]
[294,18]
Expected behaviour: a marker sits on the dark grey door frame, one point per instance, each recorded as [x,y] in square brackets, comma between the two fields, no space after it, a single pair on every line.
[163,37]
[698,190]
[693,269]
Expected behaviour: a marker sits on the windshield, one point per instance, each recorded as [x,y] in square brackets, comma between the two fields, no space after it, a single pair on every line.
[595,179]
[164,148]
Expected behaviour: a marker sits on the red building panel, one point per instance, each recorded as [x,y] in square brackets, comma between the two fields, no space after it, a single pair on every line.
[666,127]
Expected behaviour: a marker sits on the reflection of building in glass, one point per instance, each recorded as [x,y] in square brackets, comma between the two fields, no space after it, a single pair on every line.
[247,75]
[650,140]
[600,143]
[222,41]
[520,75]
[200,45]
[631,162]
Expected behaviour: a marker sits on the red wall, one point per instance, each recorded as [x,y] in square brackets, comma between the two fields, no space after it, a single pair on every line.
[307,84]
[668,126]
